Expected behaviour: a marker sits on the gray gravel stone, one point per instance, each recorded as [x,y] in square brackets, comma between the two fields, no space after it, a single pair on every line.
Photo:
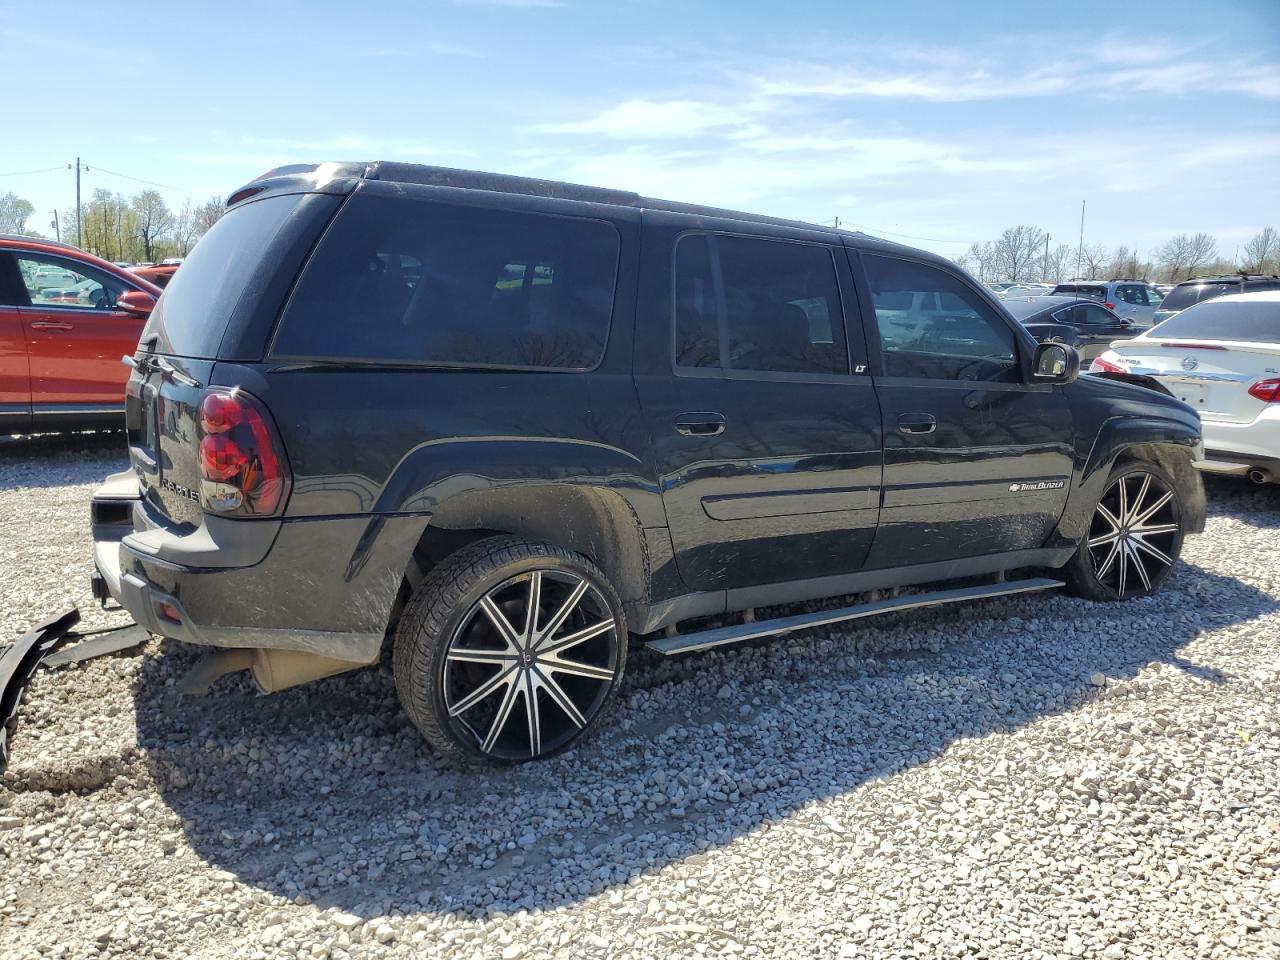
[1026,777]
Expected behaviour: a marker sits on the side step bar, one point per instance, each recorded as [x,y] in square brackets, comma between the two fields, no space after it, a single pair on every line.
[703,640]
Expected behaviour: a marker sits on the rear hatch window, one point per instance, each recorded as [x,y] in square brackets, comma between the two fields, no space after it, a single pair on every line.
[192,316]
[1255,321]
[1182,297]
[1081,290]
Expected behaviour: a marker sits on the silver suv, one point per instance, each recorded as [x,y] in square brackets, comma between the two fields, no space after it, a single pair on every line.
[1134,300]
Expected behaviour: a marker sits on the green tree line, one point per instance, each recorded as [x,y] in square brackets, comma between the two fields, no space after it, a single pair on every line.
[140,228]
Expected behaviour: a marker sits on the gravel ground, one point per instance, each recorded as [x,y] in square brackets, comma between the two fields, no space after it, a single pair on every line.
[1029,777]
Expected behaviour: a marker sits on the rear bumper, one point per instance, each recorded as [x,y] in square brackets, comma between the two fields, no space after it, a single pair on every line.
[1238,447]
[317,586]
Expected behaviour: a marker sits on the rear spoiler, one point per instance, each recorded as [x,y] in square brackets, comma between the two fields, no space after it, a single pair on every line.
[333,178]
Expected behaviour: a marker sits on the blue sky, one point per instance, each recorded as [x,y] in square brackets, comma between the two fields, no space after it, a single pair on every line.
[943,120]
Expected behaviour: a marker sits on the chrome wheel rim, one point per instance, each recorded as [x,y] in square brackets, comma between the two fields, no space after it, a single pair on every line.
[1133,535]
[530,664]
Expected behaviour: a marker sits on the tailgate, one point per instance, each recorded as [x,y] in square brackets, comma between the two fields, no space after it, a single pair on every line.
[162,402]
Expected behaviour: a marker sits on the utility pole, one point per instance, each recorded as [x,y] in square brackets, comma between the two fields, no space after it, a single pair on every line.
[1080,246]
[79,212]
[1044,272]
[837,223]
[57,231]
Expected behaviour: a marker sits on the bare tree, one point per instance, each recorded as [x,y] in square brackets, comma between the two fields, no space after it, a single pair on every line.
[1184,254]
[979,260]
[14,213]
[153,220]
[1260,253]
[1093,258]
[1062,261]
[1019,252]
[206,215]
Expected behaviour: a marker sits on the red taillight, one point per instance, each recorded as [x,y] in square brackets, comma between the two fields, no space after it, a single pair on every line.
[1191,346]
[220,458]
[1109,305]
[242,466]
[1105,366]
[219,412]
[1268,391]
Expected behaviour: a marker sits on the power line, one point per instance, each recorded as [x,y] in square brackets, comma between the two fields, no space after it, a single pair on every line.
[27,173]
[153,183]
[909,236]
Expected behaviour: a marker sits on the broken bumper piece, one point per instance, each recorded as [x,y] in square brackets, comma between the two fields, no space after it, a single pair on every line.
[46,645]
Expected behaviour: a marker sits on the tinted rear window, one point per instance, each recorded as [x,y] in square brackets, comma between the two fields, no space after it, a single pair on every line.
[1182,297]
[193,312]
[423,282]
[1255,320]
[1082,290]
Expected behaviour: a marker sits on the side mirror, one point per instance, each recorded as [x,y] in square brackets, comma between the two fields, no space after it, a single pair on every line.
[137,302]
[1055,363]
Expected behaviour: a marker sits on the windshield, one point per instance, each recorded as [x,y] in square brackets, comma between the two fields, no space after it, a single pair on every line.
[1252,320]
[1182,297]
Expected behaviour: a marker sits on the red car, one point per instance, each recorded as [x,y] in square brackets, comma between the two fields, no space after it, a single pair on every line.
[66,319]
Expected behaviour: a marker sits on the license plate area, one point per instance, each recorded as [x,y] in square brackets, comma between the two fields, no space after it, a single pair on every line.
[1193,393]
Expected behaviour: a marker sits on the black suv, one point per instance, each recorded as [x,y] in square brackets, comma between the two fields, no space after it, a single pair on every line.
[504,426]
[1190,292]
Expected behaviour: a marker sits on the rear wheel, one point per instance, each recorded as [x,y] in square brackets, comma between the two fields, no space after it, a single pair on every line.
[509,650]
[1134,538]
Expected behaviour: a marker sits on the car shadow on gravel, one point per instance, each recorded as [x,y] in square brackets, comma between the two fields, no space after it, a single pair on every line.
[326,792]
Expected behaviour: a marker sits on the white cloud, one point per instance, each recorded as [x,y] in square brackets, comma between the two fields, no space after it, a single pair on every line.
[654,119]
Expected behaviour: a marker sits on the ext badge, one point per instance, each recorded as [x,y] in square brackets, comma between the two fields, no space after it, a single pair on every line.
[1029,486]
[1190,363]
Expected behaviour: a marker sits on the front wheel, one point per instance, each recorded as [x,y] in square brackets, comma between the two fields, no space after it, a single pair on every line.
[509,650]
[1134,537]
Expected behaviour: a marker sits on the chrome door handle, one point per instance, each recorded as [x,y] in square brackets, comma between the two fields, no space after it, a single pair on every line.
[51,325]
[917,423]
[700,424]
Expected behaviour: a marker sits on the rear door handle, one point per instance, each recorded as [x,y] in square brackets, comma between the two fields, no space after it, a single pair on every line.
[700,424]
[51,325]
[917,423]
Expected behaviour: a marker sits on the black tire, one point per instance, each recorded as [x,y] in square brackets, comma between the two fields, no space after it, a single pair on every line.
[449,644]
[1126,557]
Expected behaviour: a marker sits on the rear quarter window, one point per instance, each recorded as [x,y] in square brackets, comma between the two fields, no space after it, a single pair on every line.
[416,281]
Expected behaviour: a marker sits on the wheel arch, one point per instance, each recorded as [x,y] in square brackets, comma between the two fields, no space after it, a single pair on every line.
[1169,444]
[598,523]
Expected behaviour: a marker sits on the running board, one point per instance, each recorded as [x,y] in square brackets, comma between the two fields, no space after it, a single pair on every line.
[687,643]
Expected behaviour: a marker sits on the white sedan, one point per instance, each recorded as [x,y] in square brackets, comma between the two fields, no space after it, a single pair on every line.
[1221,356]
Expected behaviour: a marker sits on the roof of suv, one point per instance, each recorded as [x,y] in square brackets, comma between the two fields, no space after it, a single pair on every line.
[318,176]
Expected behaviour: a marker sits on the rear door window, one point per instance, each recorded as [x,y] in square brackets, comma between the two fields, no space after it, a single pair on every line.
[412,281]
[750,304]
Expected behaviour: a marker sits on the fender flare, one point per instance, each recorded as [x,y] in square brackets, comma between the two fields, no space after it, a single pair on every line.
[1170,444]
